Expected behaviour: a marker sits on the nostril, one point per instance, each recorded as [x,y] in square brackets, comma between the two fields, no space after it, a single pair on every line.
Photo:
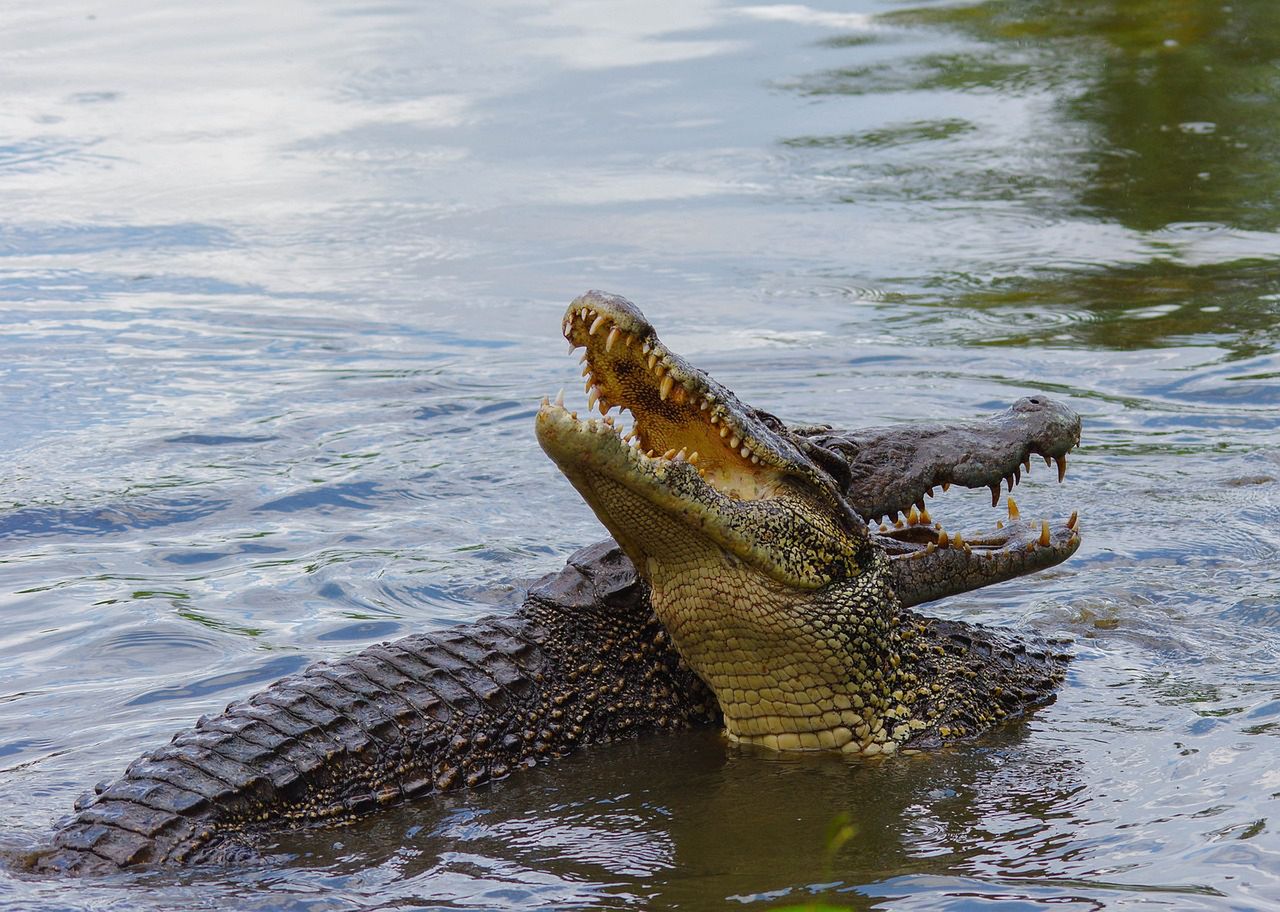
[1036,400]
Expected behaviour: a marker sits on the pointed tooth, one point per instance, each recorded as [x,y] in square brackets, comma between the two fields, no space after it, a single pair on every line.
[573,415]
[592,396]
[930,548]
[958,541]
[560,398]
[1017,474]
[545,402]
[586,370]
[1062,468]
[1026,464]
[715,419]
[1075,518]
[944,540]
[734,441]
[653,359]
[583,359]
[1047,460]
[913,517]
[650,454]
[744,452]
[999,523]
[683,454]
[693,458]
[597,323]
[995,494]
[884,528]
[704,405]
[930,491]
[668,454]
[925,518]
[611,338]
[724,431]
[584,313]
[678,395]
[664,390]
[1031,546]
[946,486]
[1044,533]
[1013,508]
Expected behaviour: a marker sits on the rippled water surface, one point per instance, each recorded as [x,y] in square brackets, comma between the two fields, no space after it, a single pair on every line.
[280,287]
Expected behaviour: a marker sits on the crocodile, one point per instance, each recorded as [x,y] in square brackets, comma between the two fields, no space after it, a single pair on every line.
[760,577]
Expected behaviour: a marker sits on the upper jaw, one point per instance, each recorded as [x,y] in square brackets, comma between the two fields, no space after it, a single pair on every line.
[677,410]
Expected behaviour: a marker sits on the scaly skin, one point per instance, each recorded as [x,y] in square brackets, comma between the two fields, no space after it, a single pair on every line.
[768,580]
[585,660]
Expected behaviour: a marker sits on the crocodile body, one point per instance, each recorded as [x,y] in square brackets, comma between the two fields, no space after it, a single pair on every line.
[592,656]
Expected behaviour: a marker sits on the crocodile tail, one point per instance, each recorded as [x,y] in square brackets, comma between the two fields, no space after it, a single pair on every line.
[396,720]
[582,661]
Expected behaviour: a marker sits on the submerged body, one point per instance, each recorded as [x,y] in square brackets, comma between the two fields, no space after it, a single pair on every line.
[752,597]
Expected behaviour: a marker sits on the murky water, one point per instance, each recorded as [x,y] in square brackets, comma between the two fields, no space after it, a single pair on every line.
[280,288]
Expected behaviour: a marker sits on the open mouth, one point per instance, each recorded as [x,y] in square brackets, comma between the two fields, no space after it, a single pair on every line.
[664,410]
[657,411]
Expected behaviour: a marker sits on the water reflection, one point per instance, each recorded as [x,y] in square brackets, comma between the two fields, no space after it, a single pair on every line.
[1153,119]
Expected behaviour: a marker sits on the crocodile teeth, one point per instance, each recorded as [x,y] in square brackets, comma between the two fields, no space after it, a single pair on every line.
[560,398]
[1075,518]
[665,389]
[995,494]
[611,338]
[653,359]
[1062,468]
[724,431]
[734,441]
[596,324]
[944,540]
[913,517]
[1044,533]
[1013,508]
[946,486]
[925,518]
[693,458]
[592,396]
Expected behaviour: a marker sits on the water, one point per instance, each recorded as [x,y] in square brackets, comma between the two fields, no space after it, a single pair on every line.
[280,288]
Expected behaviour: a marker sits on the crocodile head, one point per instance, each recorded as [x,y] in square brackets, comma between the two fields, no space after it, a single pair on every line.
[773,587]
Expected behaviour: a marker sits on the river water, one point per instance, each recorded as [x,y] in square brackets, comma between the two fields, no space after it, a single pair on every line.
[280,288]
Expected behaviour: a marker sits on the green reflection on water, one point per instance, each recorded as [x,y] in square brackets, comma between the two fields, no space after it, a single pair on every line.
[1179,97]
[1157,122]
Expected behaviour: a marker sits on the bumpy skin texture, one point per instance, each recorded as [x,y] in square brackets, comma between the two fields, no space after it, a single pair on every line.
[882,470]
[583,661]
